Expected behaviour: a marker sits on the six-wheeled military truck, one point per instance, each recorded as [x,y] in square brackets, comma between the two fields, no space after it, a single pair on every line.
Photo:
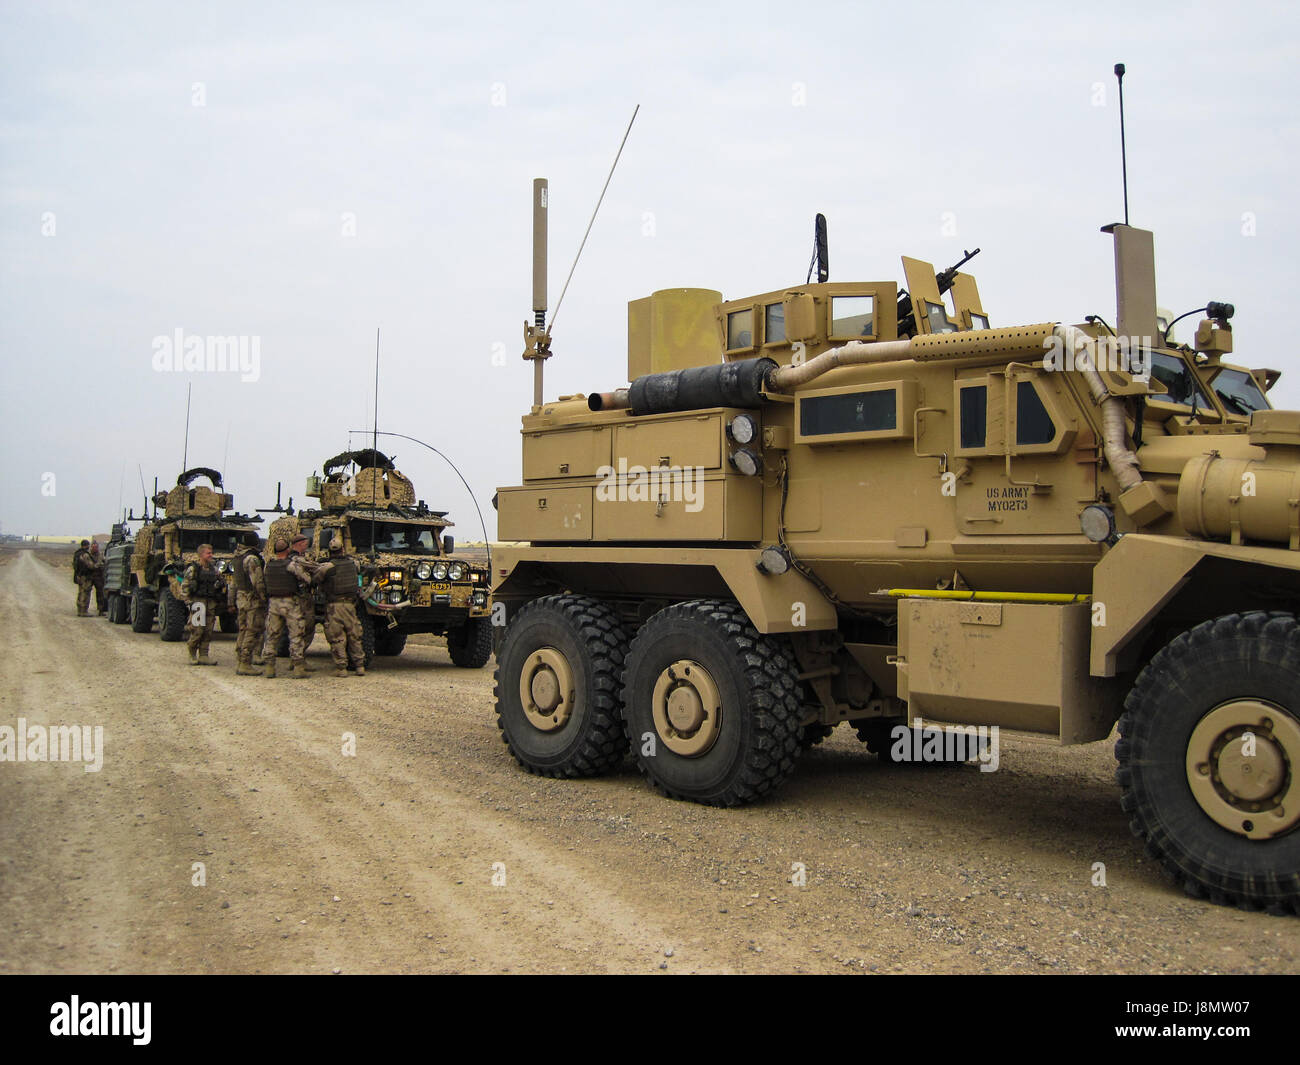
[851,502]
[192,515]
[412,580]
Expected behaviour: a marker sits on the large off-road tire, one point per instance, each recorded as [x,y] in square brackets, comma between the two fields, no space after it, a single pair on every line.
[1209,760]
[470,645]
[228,622]
[172,617]
[389,644]
[712,708]
[117,608]
[141,611]
[557,687]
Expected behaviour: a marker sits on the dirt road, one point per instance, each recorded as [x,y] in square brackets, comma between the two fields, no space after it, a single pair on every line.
[314,860]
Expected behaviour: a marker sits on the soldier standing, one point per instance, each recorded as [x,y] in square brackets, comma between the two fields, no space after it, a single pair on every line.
[338,576]
[250,598]
[204,589]
[83,571]
[287,578]
[97,578]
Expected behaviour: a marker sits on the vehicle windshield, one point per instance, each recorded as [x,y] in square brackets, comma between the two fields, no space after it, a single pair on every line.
[392,536]
[1239,392]
[223,541]
[1172,372]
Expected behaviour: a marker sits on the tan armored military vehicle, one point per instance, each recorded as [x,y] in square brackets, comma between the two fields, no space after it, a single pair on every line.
[193,514]
[414,580]
[845,502]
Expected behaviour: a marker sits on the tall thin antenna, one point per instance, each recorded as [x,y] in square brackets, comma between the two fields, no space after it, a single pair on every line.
[1123,147]
[121,483]
[226,454]
[374,446]
[144,492]
[185,455]
[608,177]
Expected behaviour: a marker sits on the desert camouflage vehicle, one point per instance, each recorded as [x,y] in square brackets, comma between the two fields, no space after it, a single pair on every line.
[412,579]
[117,569]
[192,515]
[849,502]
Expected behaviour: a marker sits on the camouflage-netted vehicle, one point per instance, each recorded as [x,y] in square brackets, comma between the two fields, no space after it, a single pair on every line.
[192,515]
[412,578]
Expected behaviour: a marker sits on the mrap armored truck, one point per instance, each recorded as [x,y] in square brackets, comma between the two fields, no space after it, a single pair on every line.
[854,502]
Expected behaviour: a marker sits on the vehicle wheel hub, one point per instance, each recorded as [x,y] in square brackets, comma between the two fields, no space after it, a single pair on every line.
[1242,762]
[687,708]
[546,689]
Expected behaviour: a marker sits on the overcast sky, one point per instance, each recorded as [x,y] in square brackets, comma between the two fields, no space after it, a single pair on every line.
[305,173]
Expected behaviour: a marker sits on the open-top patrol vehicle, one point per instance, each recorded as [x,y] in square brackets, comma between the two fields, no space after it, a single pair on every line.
[412,579]
[193,514]
[854,502]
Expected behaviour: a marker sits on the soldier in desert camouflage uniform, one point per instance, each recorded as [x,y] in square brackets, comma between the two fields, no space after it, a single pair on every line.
[97,579]
[250,599]
[338,576]
[83,572]
[288,581]
[204,589]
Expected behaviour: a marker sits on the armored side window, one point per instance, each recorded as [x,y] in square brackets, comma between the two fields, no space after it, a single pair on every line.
[774,323]
[1033,423]
[740,330]
[937,315]
[853,317]
[974,416]
[849,412]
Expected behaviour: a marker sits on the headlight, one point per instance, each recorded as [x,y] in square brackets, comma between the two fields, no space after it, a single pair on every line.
[423,570]
[456,571]
[480,598]
[440,571]
[742,429]
[394,597]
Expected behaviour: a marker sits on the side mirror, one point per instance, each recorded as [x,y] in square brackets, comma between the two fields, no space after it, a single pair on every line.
[448,544]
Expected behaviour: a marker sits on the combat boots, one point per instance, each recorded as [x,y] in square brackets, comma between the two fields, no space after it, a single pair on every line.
[245,669]
[341,671]
[204,660]
[299,671]
[268,670]
[360,671]
[194,656]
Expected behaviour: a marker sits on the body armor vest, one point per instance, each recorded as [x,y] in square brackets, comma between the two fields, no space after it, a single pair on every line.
[242,583]
[208,583]
[343,581]
[279,581]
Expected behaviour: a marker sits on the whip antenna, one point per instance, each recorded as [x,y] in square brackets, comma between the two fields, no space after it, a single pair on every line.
[599,201]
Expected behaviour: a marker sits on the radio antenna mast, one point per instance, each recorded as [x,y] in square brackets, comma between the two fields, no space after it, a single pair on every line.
[374,446]
[1123,149]
[537,336]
